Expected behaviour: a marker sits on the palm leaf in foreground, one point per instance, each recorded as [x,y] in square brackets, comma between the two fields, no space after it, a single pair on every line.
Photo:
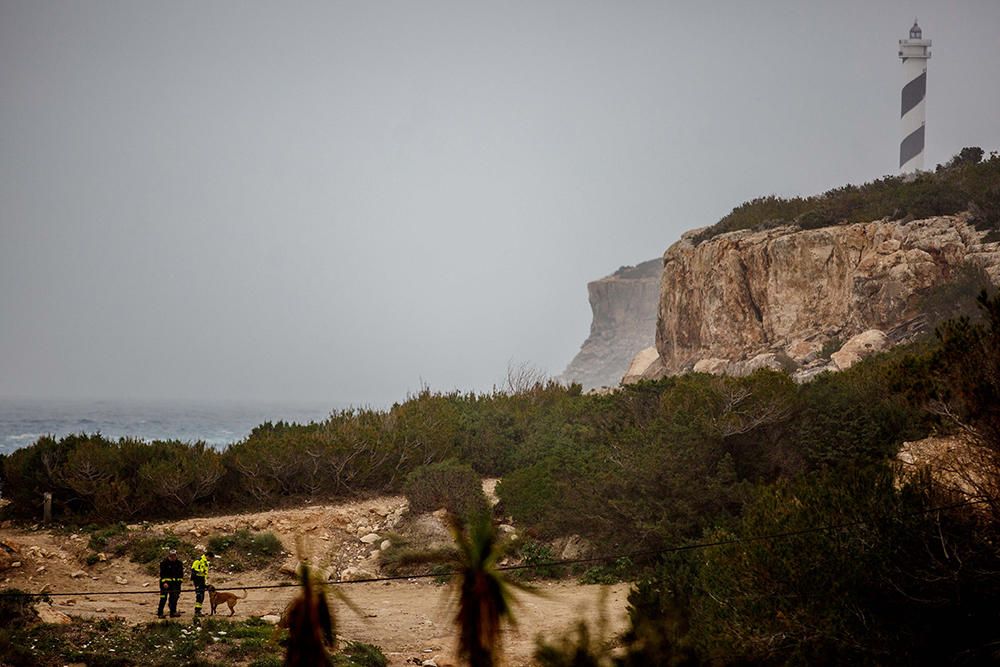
[484,596]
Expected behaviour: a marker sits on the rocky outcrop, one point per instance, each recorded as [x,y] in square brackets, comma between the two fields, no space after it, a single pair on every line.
[786,297]
[624,307]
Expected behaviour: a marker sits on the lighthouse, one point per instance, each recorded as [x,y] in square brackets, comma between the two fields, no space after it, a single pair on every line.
[914,52]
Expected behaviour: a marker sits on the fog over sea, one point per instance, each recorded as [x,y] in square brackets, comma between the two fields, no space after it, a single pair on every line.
[23,421]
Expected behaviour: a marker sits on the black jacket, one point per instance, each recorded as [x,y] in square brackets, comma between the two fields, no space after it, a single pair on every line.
[171,569]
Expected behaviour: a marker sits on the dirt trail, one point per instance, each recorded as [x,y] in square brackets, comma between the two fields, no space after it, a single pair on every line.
[408,619]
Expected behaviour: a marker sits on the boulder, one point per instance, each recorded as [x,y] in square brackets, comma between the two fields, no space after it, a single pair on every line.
[774,361]
[356,574]
[78,574]
[640,363]
[857,348]
[371,538]
[46,614]
[805,351]
[120,580]
[711,365]
[570,548]
[290,566]
[271,619]
[429,531]
[807,374]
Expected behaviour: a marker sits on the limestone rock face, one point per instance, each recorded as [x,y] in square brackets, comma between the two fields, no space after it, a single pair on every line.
[786,291]
[624,308]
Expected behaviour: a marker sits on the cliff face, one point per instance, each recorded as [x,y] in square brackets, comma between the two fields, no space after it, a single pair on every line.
[624,307]
[778,297]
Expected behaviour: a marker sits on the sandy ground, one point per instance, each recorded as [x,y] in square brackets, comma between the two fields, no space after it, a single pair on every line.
[407,619]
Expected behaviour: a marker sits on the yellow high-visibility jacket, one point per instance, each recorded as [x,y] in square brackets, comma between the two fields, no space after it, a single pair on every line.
[199,568]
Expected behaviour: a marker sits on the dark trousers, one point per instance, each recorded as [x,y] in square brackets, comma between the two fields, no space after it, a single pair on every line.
[172,592]
[199,592]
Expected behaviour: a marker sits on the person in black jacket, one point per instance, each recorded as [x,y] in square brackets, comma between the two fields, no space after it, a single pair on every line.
[171,576]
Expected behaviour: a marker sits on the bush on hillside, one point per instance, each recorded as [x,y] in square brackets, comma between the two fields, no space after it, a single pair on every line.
[245,550]
[963,184]
[450,485]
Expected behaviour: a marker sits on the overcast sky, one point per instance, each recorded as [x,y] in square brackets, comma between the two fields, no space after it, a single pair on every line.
[340,201]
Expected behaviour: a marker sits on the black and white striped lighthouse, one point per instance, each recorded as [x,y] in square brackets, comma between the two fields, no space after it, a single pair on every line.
[914,53]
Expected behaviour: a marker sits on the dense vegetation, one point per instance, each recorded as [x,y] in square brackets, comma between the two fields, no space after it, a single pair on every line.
[115,643]
[846,560]
[966,183]
[647,465]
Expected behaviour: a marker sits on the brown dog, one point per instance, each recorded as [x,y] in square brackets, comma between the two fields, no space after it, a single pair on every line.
[215,598]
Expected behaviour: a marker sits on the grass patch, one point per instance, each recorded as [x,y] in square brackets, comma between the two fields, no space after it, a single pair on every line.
[246,550]
[101,538]
[357,654]
[620,570]
[145,548]
[149,551]
[537,554]
[113,643]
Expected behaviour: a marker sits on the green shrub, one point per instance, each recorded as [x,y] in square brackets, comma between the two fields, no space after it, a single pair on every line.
[245,550]
[955,296]
[99,537]
[621,569]
[537,554]
[450,485]
[149,551]
[829,347]
[357,654]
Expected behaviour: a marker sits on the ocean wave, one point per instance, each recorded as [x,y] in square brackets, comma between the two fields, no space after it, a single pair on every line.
[21,437]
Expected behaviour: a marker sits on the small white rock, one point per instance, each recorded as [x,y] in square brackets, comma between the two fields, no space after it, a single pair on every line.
[371,538]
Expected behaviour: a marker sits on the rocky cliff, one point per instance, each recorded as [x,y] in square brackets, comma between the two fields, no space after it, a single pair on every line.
[624,308]
[788,298]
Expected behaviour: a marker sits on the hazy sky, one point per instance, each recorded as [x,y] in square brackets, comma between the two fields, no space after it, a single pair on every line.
[339,201]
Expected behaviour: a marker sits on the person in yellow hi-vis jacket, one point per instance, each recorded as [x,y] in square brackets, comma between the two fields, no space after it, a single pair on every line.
[199,577]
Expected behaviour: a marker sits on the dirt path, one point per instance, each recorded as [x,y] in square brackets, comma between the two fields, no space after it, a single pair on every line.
[407,619]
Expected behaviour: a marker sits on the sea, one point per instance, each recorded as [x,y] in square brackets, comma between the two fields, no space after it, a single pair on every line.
[218,423]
